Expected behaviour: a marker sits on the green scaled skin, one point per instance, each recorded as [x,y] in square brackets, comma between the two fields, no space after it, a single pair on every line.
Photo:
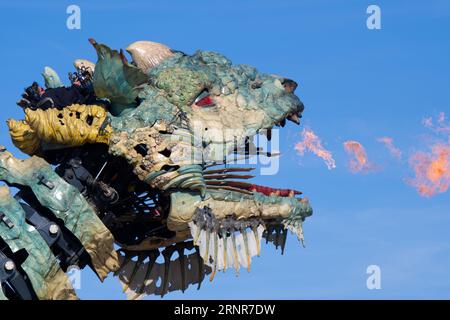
[48,280]
[67,204]
[245,102]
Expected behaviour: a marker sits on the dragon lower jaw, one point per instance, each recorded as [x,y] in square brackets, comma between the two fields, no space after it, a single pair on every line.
[228,226]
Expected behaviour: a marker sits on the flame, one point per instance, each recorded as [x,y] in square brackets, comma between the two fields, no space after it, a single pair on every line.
[440,126]
[312,143]
[359,161]
[389,144]
[432,170]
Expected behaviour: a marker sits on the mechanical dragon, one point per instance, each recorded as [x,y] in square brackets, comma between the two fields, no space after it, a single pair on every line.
[136,173]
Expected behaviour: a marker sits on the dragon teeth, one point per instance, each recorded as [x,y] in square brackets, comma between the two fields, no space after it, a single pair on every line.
[224,245]
[252,245]
[202,244]
[195,232]
[296,229]
[207,247]
[257,239]
[247,250]
[220,250]
[235,253]
[221,262]
[216,253]
[243,261]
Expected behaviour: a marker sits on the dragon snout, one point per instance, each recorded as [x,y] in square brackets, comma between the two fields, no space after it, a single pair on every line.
[289,85]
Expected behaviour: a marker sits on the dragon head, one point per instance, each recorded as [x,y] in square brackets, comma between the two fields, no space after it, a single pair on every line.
[181,122]
[193,112]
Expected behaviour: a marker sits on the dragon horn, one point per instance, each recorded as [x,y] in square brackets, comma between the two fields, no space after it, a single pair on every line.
[146,54]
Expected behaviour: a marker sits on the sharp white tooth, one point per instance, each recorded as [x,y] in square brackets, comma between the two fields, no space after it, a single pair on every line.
[215,251]
[200,267]
[241,250]
[195,232]
[207,246]
[202,244]
[301,237]
[230,256]
[257,240]
[298,231]
[212,247]
[252,244]
[234,245]
[260,230]
[247,249]
[222,258]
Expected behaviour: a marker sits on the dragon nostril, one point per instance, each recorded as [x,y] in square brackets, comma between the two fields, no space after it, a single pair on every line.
[289,85]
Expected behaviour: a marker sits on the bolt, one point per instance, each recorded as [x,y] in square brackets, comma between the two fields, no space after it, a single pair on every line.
[53,229]
[9,265]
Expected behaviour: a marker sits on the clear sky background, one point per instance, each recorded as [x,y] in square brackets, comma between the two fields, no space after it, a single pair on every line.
[357,84]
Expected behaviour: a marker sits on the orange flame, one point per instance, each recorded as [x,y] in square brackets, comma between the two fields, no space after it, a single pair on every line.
[359,161]
[440,126]
[389,144]
[312,143]
[432,170]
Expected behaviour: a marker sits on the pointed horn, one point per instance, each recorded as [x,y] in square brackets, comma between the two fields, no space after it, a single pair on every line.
[147,54]
[80,63]
[51,78]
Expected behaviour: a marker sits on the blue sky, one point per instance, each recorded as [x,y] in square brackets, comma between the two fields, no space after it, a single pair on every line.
[357,84]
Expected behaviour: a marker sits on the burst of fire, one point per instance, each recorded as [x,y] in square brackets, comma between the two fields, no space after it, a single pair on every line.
[310,141]
[359,161]
[389,144]
[432,170]
[438,126]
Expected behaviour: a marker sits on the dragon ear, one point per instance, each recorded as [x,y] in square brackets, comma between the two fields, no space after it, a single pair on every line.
[147,54]
[115,79]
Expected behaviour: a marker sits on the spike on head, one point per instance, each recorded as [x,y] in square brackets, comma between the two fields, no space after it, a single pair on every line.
[147,54]
[83,63]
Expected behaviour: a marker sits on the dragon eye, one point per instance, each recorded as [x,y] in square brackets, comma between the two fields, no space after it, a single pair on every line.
[204,100]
